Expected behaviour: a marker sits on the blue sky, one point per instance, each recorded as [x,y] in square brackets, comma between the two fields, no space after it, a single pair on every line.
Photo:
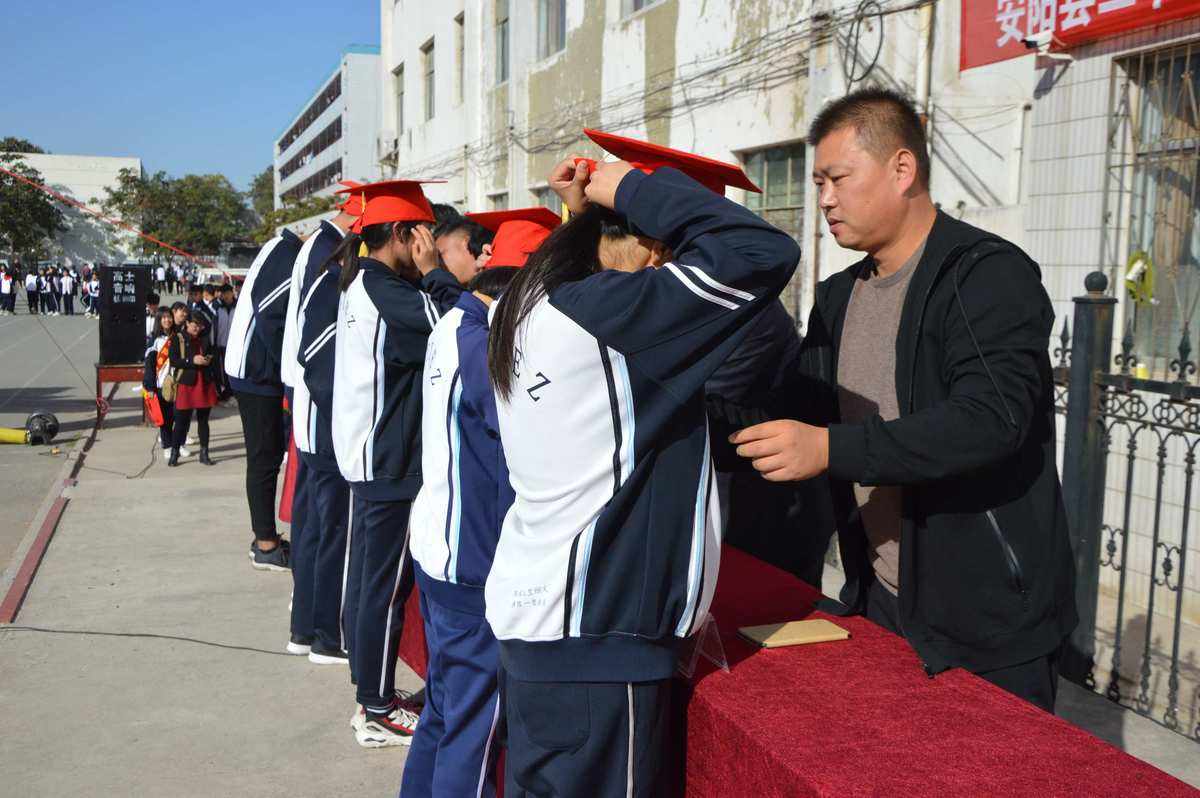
[189,86]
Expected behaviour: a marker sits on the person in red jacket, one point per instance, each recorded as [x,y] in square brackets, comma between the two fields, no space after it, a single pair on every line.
[197,387]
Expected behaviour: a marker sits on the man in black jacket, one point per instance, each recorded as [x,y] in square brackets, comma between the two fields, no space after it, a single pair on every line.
[925,392]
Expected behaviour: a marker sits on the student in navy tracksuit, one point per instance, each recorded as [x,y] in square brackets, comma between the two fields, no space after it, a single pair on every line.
[455,524]
[321,501]
[608,557]
[252,361]
[389,303]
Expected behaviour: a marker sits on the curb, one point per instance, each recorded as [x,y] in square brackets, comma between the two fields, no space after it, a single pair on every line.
[18,577]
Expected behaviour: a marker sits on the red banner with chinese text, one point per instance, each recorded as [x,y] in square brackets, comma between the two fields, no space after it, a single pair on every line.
[992,30]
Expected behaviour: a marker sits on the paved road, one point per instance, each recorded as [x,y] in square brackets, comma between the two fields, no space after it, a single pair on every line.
[46,363]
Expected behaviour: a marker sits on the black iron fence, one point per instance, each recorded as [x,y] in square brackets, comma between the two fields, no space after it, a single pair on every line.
[1129,445]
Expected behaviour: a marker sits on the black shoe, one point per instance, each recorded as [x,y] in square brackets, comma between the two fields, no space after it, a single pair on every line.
[174,460]
[276,559]
[319,655]
[204,458]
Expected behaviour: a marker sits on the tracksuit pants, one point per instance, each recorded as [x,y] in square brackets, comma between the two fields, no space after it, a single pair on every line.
[454,749]
[69,304]
[262,427]
[320,515]
[167,431]
[603,740]
[32,297]
[377,586]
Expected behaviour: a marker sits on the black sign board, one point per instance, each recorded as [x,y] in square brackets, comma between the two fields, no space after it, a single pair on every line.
[123,291]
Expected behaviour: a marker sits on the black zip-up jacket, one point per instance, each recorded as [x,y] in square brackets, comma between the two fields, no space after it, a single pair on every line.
[181,351]
[986,573]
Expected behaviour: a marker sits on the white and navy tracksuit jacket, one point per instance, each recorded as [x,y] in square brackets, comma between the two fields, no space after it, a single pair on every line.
[256,335]
[456,517]
[609,555]
[383,325]
[310,348]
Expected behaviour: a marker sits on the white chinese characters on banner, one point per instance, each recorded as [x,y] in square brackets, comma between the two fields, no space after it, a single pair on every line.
[1020,19]
[1010,14]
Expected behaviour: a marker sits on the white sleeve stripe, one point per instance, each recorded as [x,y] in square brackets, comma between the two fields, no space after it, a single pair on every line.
[428,310]
[700,292]
[325,335]
[311,289]
[318,345]
[711,283]
[274,295]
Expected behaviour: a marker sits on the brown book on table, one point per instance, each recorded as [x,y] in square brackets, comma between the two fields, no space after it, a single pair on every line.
[794,633]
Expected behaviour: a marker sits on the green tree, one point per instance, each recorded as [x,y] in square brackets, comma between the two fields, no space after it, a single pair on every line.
[29,218]
[310,206]
[15,144]
[262,192]
[196,213]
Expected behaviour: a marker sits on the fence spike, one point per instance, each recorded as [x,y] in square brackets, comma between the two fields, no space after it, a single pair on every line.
[1183,366]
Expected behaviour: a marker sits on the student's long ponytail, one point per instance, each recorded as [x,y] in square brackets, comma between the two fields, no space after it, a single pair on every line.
[375,236]
[570,253]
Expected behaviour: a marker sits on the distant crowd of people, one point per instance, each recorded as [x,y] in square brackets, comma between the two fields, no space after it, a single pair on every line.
[51,290]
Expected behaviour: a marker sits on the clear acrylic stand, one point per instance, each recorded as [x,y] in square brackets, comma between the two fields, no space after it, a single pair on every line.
[705,643]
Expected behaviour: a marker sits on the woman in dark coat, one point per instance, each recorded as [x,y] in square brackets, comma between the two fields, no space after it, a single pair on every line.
[197,386]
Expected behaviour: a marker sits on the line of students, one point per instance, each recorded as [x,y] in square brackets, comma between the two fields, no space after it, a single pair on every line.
[532,450]
[49,291]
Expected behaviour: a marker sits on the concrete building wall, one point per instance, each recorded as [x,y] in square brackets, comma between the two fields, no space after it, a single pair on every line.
[84,178]
[357,108]
[720,79]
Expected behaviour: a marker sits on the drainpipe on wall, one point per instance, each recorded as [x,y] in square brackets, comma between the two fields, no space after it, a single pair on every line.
[928,19]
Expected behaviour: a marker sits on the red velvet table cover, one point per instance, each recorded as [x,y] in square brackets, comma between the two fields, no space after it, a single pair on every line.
[860,717]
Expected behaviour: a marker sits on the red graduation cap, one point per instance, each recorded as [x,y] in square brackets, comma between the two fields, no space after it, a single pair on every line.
[518,232]
[391,201]
[354,204]
[713,175]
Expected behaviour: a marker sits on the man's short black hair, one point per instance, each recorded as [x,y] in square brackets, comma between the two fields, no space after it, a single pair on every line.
[477,234]
[209,288]
[885,121]
[443,213]
[226,287]
[153,298]
[492,282]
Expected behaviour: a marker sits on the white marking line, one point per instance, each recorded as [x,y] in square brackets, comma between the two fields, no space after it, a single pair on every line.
[45,368]
[23,340]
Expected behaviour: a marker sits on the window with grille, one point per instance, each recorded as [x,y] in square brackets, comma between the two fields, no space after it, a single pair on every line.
[552,27]
[780,173]
[319,143]
[502,58]
[548,199]
[311,185]
[1156,165]
[427,56]
[632,6]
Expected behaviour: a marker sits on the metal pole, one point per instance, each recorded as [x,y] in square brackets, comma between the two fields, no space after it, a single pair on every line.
[1084,454]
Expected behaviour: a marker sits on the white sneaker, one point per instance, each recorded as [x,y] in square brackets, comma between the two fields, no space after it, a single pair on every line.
[299,649]
[192,439]
[184,452]
[382,731]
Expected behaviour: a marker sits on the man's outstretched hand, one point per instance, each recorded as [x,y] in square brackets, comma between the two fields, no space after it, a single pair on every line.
[784,451]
